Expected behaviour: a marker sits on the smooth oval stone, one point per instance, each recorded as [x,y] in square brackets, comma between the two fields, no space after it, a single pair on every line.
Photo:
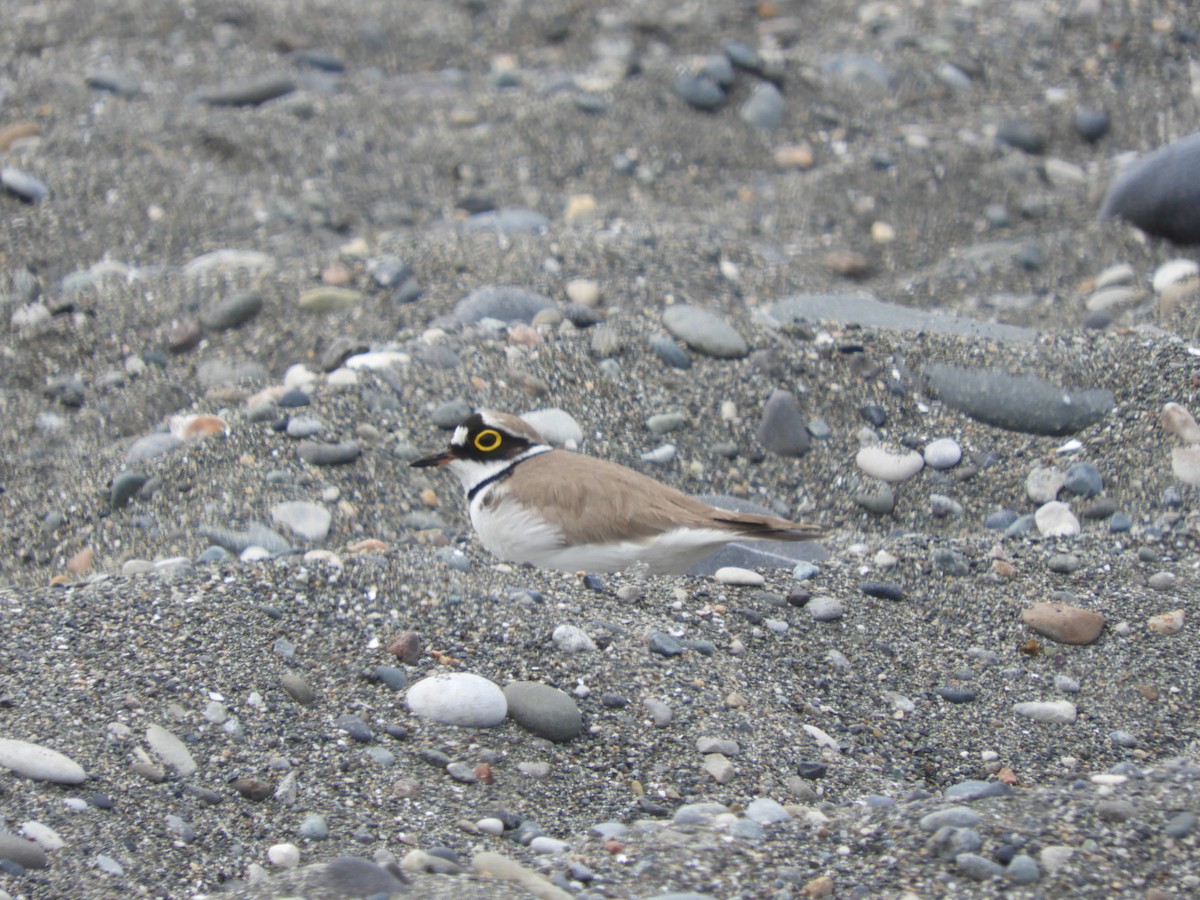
[22,852]
[514,220]
[1084,479]
[782,428]
[232,311]
[1064,623]
[40,763]
[766,811]
[1091,124]
[297,688]
[1021,403]
[1054,711]
[504,303]
[953,816]
[1055,519]
[944,453]
[250,92]
[825,609]
[329,299]
[669,352]
[980,868]
[1160,193]
[889,464]
[318,454]
[171,750]
[544,710]
[1022,134]
[858,72]
[735,575]
[1177,420]
[23,185]
[704,332]
[124,487]
[309,520]
[150,446]
[1172,272]
[458,698]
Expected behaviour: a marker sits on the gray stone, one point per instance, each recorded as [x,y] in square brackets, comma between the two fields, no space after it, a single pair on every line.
[1160,193]
[705,332]
[504,303]
[766,107]
[232,311]
[544,710]
[782,429]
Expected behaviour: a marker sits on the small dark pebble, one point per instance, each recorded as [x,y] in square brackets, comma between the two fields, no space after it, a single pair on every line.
[125,487]
[1091,124]
[873,414]
[356,728]
[318,454]
[664,644]
[882,590]
[670,352]
[100,801]
[1021,133]
[811,770]
[699,92]
[613,700]
[251,92]
[594,583]
[391,676]
[956,694]
[294,399]
[799,597]
[252,788]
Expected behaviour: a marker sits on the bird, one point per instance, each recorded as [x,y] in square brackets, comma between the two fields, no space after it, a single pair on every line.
[556,509]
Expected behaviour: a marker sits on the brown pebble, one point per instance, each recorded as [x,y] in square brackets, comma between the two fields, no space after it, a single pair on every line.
[252,789]
[184,336]
[818,887]
[1002,568]
[795,156]
[336,275]
[848,264]
[298,689]
[81,562]
[1064,623]
[1166,623]
[405,789]
[407,647]
[13,132]
[483,773]
[1031,647]
[369,545]
[735,701]
[1148,692]
[429,497]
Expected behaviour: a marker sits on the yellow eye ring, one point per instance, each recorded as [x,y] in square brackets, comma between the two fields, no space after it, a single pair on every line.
[487,440]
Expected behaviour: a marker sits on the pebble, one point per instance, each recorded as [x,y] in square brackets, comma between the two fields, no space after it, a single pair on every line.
[513,220]
[782,429]
[314,828]
[1083,479]
[298,688]
[1021,403]
[952,816]
[1166,623]
[669,352]
[284,856]
[22,852]
[351,876]
[253,91]
[232,312]
[1090,124]
[733,575]
[572,639]
[825,609]
[704,332]
[556,426]
[766,811]
[765,108]
[943,453]
[891,465]
[151,446]
[320,454]
[1185,464]
[23,185]
[1064,623]
[171,750]
[1179,422]
[458,698]
[1159,193]
[699,91]
[1055,711]
[876,497]
[504,303]
[1055,519]
[1173,272]
[310,521]
[665,423]
[544,710]
[1022,134]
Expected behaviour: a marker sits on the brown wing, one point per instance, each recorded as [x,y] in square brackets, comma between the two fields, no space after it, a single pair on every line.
[593,500]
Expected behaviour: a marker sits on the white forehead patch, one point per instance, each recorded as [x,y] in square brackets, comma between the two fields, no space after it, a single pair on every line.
[460,437]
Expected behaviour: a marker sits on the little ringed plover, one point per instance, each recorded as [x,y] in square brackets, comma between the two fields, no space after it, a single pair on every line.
[561,510]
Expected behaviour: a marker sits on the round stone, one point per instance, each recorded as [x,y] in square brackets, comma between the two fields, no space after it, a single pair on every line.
[705,332]
[310,521]
[825,609]
[944,453]
[544,710]
[889,464]
[458,698]
[1055,519]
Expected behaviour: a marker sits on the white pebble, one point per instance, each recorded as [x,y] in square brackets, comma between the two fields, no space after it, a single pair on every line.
[40,763]
[1172,272]
[891,465]
[42,835]
[1185,464]
[343,377]
[740,577]
[298,376]
[1055,519]
[1060,711]
[458,698]
[572,639]
[491,825]
[1177,420]
[944,453]
[310,521]
[548,846]
[660,455]
[1110,779]
[284,856]
[171,750]
[1121,273]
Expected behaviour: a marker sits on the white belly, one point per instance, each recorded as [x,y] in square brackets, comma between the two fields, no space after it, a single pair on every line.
[512,533]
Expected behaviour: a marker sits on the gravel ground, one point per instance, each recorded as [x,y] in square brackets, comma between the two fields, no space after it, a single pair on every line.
[190,253]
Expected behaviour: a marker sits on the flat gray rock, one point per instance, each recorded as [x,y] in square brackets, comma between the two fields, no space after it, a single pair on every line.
[1021,403]
[863,309]
[705,332]
[544,710]
[502,302]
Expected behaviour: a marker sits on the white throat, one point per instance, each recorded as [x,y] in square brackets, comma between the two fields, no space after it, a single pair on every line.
[477,475]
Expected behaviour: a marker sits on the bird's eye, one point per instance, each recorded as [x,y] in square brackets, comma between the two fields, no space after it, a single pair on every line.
[487,440]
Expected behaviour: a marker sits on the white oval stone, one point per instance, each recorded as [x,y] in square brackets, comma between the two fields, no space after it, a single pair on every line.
[1177,420]
[42,835]
[1121,273]
[944,453]
[491,825]
[544,845]
[40,763]
[1173,271]
[458,698]
[171,750]
[891,465]
[1110,298]
[285,856]
[1060,711]
[1185,463]
[1055,519]
[740,577]
[309,520]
